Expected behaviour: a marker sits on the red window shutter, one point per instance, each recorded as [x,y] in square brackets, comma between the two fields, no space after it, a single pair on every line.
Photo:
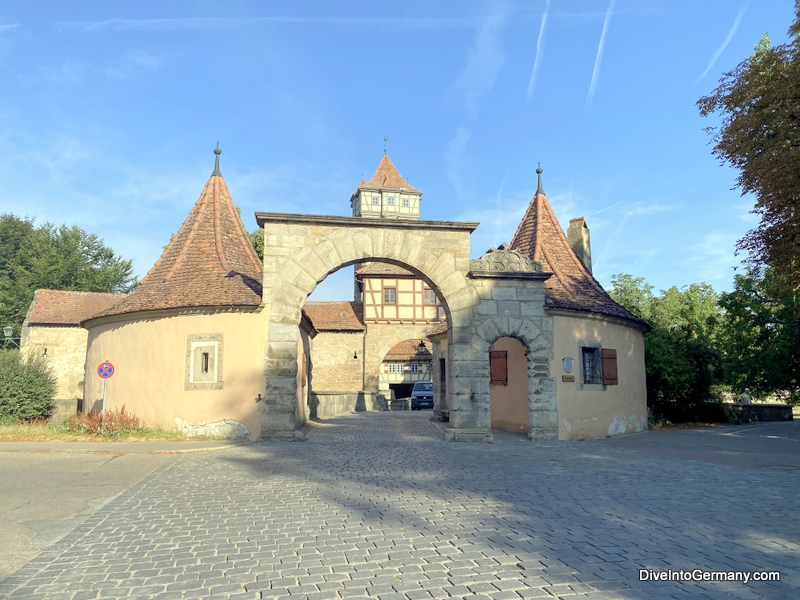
[609,357]
[498,367]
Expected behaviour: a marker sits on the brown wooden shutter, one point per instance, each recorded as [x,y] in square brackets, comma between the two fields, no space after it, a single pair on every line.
[609,358]
[498,367]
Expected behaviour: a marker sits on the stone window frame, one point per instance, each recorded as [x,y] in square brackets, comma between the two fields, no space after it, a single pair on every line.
[197,342]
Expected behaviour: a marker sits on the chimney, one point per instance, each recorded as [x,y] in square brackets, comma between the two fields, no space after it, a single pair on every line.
[578,236]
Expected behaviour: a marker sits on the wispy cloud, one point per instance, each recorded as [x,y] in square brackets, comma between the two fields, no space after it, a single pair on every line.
[599,58]
[204,23]
[485,58]
[539,50]
[724,44]
[454,159]
[8,27]
[638,210]
[712,258]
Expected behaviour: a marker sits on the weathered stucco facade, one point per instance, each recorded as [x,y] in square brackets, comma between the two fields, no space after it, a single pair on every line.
[152,358]
[597,410]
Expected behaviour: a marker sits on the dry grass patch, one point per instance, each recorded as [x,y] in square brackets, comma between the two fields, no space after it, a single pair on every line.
[116,425]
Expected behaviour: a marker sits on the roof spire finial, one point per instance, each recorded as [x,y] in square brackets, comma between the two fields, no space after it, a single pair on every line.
[539,190]
[217,151]
[385,139]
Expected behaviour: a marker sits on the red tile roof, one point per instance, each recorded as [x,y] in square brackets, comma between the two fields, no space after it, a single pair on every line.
[60,307]
[439,329]
[335,316]
[387,177]
[408,350]
[209,261]
[382,269]
[572,287]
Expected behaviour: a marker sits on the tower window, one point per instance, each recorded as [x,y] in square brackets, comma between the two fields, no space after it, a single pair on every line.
[405,202]
[390,202]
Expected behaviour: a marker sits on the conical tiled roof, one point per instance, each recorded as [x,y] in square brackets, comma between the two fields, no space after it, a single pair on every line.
[209,261]
[387,177]
[540,237]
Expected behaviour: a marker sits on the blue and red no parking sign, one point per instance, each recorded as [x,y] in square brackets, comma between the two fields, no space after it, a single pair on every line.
[105,370]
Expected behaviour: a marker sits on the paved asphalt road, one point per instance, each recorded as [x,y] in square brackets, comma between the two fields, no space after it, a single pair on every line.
[377,506]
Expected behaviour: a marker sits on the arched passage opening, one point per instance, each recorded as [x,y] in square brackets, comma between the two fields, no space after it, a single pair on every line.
[301,250]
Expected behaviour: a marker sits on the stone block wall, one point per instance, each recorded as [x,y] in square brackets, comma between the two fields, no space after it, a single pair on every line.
[65,351]
[332,364]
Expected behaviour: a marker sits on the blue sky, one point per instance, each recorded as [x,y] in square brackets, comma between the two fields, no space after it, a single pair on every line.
[109,112]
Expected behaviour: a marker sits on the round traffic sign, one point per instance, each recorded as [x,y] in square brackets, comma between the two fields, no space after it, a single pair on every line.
[105,370]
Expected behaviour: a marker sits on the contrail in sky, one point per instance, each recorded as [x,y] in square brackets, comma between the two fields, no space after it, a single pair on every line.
[599,58]
[539,50]
[724,45]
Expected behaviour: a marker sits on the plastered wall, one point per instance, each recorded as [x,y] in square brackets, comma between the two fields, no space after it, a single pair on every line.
[599,410]
[149,357]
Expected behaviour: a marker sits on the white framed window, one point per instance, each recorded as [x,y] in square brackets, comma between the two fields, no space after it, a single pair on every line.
[405,202]
[203,366]
[390,295]
[429,296]
[390,201]
[376,200]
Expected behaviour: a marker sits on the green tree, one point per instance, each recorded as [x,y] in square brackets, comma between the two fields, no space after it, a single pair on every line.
[682,360]
[759,104]
[61,258]
[761,334]
[257,239]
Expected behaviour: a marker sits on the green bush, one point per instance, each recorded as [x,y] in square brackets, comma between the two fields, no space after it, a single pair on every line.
[27,387]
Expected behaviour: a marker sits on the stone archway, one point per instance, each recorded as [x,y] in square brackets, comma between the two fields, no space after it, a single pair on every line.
[502,293]
[301,250]
[509,290]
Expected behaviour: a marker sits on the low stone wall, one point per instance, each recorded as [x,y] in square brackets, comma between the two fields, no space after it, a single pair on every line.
[763,412]
[323,405]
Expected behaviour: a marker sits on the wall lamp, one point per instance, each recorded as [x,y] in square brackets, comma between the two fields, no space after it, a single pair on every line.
[8,336]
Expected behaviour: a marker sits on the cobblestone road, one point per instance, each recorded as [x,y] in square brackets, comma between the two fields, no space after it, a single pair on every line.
[377,506]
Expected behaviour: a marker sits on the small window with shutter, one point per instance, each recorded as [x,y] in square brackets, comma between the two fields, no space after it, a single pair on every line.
[498,367]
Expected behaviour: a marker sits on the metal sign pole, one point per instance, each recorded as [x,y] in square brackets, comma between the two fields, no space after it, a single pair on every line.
[103,410]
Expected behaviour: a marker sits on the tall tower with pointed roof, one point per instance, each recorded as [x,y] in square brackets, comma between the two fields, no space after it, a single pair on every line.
[572,287]
[387,195]
[208,262]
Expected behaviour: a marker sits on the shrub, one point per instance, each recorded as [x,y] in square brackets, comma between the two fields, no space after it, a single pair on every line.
[114,422]
[27,387]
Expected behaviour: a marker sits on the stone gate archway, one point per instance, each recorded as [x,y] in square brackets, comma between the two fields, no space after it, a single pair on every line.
[301,250]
